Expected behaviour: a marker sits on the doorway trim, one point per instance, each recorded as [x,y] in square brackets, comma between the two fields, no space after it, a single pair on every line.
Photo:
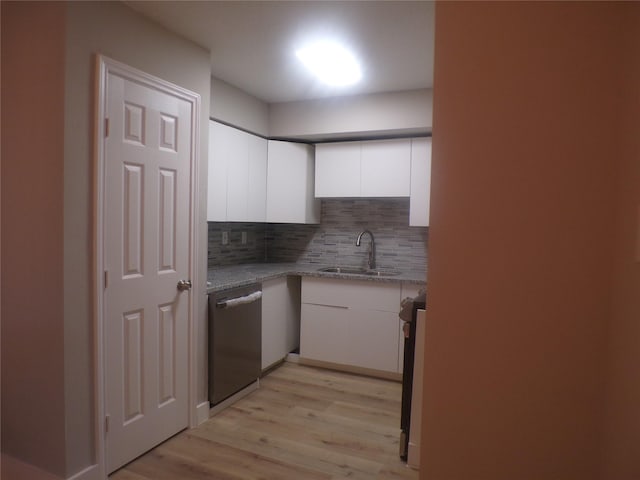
[103,67]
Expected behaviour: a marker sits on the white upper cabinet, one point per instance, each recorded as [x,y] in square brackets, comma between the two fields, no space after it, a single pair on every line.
[257,183]
[386,168]
[290,183]
[378,168]
[237,175]
[219,143]
[338,169]
[237,157]
[420,182]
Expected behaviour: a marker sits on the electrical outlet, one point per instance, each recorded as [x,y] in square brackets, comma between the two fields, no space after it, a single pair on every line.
[244,238]
[225,238]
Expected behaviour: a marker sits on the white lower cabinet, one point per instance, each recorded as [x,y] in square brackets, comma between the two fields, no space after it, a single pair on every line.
[373,336]
[348,322]
[280,318]
[323,333]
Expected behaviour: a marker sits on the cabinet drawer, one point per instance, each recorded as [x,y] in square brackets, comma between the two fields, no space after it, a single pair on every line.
[362,295]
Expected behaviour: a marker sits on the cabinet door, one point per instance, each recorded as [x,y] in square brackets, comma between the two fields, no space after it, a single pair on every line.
[257,181]
[373,339]
[237,174]
[350,322]
[290,196]
[420,182]
[386,168]
[337,169]
[280,318]
[217,175]
[324,333]
[274,319]
[352,293]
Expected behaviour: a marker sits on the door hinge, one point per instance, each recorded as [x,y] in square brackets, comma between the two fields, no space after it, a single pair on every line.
[106,278]
[106,423]
[106,127]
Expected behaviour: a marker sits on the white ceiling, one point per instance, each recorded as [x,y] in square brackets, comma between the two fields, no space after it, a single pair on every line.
[253,44]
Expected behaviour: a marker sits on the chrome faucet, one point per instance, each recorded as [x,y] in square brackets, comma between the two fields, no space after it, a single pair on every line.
[372,252]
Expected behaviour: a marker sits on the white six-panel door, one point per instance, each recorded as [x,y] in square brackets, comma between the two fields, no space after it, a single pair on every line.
[147,169]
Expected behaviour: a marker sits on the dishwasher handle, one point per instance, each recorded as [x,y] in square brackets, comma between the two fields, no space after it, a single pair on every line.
[237,301]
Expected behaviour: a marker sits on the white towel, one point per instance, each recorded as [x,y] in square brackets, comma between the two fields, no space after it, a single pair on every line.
[234,302]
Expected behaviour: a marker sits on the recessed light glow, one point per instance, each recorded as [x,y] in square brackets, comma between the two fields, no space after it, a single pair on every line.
[331,63]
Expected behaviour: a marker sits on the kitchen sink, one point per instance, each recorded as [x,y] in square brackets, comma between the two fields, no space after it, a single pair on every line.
[359,271]
[381,273]
[351,270]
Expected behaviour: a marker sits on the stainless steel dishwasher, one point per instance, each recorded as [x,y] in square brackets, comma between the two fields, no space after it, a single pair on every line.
[235,340]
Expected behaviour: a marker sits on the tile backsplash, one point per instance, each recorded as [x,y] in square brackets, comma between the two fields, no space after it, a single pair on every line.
[398,246]
[254,251]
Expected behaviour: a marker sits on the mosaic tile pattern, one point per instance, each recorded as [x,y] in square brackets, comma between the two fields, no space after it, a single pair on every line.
[234,253]
[398,246]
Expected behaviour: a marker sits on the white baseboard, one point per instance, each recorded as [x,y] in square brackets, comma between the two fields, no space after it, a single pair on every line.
[369,372]
[292,358]
[202,413]
[413,456]
[14,469]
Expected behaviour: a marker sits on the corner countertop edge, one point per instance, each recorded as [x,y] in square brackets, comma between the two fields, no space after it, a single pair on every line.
[232,276]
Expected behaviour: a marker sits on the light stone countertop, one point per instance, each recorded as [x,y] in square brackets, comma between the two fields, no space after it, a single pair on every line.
[232,276]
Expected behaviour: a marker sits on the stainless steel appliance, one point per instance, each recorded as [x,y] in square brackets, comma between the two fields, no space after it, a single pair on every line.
[235,341]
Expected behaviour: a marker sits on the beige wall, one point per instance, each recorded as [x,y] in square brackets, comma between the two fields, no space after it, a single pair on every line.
[526,130]
[33,415]
[406,112]
[622,427]
[236,107]
[359,116]
[47,217]
[116,31]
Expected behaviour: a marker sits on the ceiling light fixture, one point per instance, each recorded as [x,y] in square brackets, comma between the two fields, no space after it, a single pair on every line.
[331,63]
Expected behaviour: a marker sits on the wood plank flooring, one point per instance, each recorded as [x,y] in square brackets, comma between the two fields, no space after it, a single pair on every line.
[303,423]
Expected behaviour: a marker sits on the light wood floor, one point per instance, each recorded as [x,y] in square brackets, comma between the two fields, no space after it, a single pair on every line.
[302,423]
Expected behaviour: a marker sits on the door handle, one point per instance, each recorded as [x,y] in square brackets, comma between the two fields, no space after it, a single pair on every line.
[184,285]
